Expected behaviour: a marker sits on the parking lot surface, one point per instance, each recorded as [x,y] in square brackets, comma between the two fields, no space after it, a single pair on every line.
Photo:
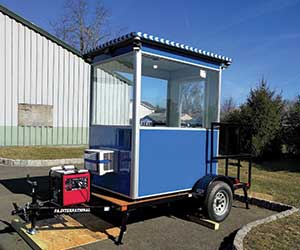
[147,229]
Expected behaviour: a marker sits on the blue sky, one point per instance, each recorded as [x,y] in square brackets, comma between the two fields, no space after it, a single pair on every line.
[262,37]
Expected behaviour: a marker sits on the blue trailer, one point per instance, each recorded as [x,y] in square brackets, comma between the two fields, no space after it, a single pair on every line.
[155,135]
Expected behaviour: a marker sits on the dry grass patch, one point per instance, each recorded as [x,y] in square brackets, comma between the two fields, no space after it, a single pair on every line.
[278,181]
[256,195]
[42,153]
[280,234]
[280,185]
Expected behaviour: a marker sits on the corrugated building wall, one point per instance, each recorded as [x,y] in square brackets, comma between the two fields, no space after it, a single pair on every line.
[41,79]
[112,95]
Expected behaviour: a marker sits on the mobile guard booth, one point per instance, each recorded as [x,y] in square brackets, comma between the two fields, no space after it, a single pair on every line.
[154,131]
[152,104]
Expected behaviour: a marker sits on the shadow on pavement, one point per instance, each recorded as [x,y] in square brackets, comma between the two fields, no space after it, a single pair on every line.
[227,243]
[147,213]
[20,186]
[8,229]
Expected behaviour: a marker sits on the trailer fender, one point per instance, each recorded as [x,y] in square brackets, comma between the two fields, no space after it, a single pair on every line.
[201,186]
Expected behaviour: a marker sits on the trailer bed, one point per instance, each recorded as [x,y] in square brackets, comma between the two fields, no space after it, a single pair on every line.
[125,205]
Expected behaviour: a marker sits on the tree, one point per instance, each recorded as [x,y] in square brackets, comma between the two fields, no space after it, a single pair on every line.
[291,127]
[263,112]
[227,107]
[81,28]
[191,95]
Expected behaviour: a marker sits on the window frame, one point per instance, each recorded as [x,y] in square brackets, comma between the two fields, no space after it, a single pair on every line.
[219,70]
[93,93]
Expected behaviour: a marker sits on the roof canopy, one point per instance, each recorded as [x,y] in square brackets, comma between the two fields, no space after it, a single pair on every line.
[161,43]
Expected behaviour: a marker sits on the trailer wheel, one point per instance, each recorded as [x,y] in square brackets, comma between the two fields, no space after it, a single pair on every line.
[218,201]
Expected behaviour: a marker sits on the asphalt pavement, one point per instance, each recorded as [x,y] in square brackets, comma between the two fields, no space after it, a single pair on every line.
[149,228]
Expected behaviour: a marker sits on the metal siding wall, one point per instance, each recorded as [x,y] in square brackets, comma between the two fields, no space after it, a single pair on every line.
[2,77]
[15,81]
[50,77]
[87,73]
[111,99]
[8,76]
[35,70]
[80,100]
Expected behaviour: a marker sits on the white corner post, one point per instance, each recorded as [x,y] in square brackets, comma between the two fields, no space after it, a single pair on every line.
[219,113]
[135,145]
[219,94]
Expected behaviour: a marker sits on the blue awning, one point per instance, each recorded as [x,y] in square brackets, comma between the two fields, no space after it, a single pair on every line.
[168,44]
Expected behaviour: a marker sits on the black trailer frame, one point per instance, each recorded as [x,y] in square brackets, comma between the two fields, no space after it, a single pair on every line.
[30,211]
[238,155]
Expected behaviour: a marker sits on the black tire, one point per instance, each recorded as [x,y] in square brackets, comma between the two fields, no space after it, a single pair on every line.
[218,201]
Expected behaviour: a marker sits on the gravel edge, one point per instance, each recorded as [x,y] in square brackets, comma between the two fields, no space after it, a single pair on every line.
[283,209]
[39,163]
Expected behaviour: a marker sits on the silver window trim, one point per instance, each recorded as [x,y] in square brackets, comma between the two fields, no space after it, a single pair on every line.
[180,61]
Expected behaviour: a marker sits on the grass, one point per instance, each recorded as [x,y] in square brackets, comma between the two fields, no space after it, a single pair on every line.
[42,153]
[278,181]
[280,234]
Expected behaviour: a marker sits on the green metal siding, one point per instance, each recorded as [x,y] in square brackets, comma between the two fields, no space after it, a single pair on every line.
[26,136]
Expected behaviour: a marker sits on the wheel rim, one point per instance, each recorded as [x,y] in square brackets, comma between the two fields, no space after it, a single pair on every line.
[220,204]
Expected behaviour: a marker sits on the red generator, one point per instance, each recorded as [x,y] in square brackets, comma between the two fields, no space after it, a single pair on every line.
[69,185]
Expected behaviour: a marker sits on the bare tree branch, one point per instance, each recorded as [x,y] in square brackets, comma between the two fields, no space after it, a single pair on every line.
[82,28]
[227,107]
